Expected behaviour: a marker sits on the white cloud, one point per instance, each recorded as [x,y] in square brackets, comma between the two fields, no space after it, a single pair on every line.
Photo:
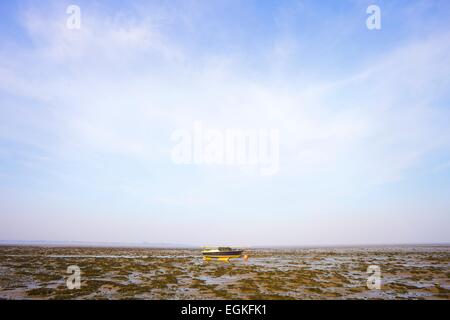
[377,123]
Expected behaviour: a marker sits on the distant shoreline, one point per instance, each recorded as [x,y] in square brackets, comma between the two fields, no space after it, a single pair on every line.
[81,244]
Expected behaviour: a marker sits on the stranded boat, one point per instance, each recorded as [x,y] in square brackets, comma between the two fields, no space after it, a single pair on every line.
[222,253]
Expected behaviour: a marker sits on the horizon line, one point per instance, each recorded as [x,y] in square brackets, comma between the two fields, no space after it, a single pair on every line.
[157,245]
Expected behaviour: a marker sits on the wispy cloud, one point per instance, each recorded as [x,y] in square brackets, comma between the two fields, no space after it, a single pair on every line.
[93,107]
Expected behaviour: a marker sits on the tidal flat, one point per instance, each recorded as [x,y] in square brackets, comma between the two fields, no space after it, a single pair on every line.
[407,272]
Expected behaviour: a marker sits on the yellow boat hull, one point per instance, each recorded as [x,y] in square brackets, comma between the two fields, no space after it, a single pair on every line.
[220,257]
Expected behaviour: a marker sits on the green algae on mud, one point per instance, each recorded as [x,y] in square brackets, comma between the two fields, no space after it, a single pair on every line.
[415,272]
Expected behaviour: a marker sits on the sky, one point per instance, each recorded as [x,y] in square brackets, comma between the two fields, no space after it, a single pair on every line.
[87,118]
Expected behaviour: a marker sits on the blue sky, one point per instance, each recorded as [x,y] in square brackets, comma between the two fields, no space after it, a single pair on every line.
[86,118]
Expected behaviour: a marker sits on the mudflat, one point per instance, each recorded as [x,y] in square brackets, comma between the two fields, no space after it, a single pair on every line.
[407,272]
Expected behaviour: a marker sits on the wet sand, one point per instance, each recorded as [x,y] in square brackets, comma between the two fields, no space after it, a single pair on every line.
[414,272]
